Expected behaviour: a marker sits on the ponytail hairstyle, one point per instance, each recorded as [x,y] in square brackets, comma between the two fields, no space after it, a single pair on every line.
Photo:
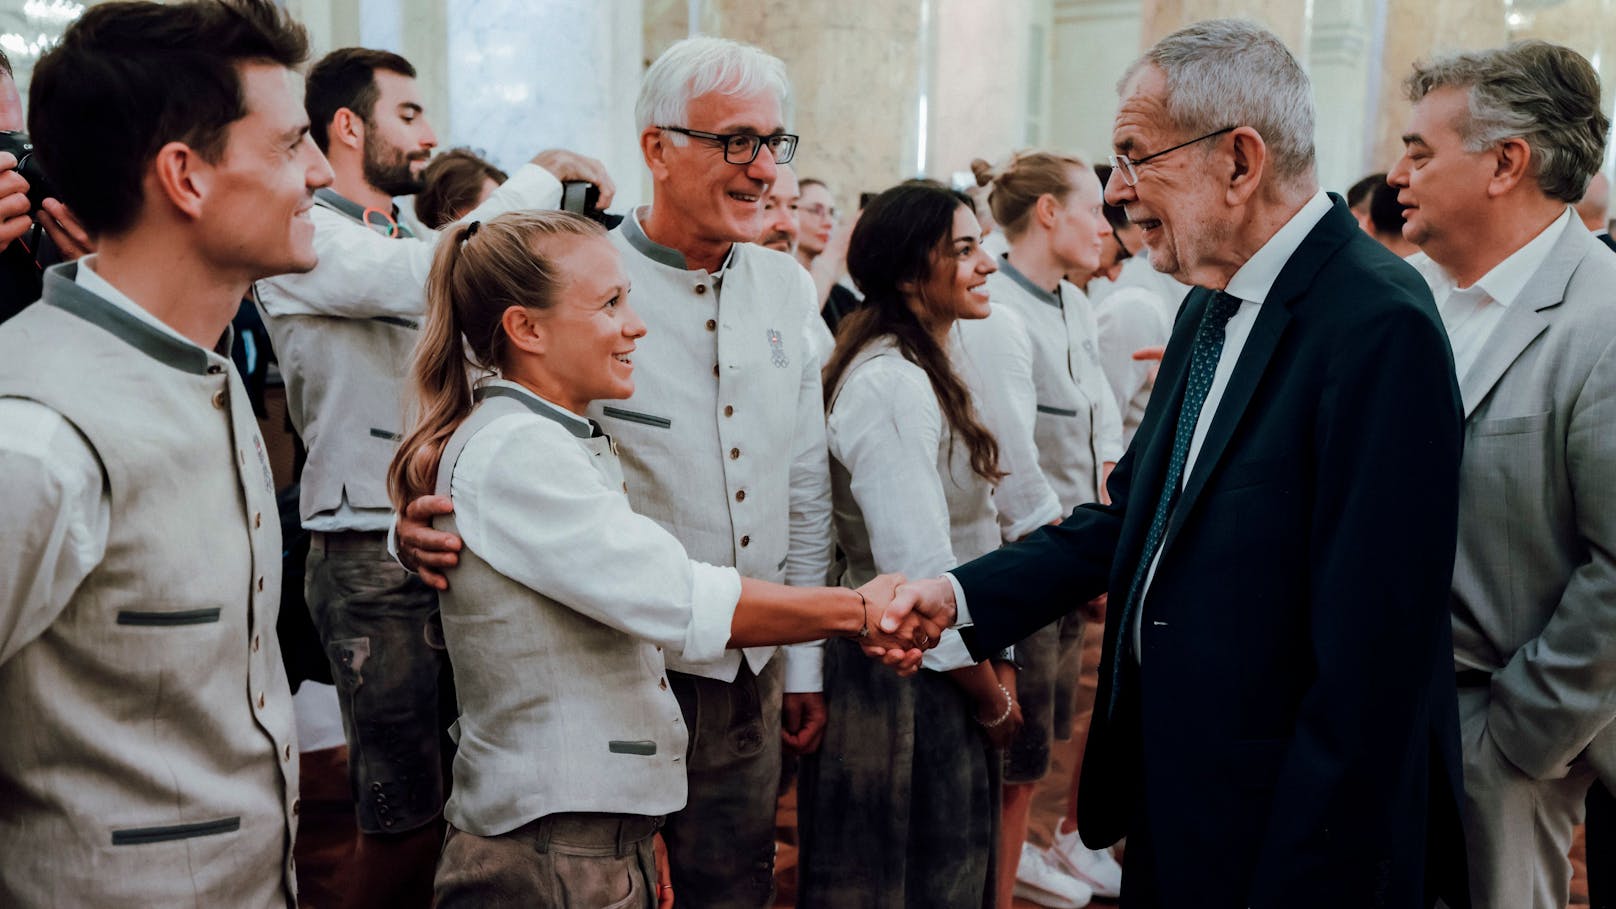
[904,235]
[479,271]
[1027,177]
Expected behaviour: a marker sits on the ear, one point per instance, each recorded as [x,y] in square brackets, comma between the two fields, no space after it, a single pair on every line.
[182,177]
[654,146]
[347,129]
[1249,163]
[525,332]
[1044,210]
[1513,158]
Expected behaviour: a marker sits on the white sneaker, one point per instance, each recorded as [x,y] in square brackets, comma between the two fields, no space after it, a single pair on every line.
[1095,867]
[1037,879]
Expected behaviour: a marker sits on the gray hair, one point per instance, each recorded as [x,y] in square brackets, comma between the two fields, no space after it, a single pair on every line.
[698,65]
[1228,72]
[1543,93]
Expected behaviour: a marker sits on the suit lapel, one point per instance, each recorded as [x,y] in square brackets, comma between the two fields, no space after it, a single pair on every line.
[1273,315]
[1523,320]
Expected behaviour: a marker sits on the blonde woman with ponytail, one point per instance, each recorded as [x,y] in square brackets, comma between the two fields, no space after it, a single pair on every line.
[570,743]
[1049,207]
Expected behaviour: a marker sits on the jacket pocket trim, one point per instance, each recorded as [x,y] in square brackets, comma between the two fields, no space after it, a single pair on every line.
[167,619]
[385,436]
[636,417]
[140,836]
[1057,411]
[642,748]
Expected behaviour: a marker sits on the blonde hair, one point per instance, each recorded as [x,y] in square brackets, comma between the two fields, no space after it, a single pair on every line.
[479,271]
[1027,177]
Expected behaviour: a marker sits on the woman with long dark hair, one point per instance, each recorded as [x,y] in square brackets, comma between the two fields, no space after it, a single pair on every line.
[571,745]
[899,806]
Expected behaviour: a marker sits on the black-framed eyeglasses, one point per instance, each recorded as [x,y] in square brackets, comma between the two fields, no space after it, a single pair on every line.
[743,148]
[1124,165]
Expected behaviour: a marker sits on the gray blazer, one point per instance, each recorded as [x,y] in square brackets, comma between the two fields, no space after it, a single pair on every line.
[1534,585]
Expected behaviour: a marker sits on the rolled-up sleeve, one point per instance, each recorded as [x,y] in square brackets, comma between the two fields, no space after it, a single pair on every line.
[531,504]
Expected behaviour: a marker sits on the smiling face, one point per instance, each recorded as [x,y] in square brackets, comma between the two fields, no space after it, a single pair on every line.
[1441,186]
[1175,204]
[255,214]
[816,216]
[713,200]
[1078,238]
[398,138]
[591,329]
[957,285]
[780,213]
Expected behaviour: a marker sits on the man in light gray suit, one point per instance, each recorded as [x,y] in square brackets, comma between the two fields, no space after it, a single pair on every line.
[1500,142]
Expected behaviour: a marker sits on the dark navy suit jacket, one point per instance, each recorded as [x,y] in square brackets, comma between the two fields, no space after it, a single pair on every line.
[1290,738]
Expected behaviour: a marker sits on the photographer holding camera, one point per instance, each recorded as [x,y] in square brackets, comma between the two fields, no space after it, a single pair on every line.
[36,230]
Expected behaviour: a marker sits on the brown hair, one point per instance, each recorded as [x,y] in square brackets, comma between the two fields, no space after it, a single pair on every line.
[900,239]
[451,186]
[479,271]
[1019,185]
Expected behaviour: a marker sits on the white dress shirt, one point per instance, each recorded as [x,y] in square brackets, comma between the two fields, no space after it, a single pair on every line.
[68,499]
[1470,314]
[530,503]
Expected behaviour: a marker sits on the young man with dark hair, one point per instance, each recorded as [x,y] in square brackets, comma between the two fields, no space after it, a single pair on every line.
[344,334]
[140,581]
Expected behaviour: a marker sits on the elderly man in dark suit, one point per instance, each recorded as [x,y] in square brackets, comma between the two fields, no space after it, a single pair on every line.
[1276,720]
[1499,144]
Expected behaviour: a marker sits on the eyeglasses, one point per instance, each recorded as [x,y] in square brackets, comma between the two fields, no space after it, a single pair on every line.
[820,211]
[1124,165]
[743,148]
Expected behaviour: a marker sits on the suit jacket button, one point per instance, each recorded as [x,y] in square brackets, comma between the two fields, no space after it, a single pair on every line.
[701,288]
[219,399]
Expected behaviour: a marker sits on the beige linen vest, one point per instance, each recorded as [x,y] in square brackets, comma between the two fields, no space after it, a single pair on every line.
[558,712]
[149,754]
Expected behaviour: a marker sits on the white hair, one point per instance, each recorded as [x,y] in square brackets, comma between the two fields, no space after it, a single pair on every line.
[1228,72]
[699,65]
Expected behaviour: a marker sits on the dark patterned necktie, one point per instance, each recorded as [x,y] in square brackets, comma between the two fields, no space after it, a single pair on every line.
[1203,364]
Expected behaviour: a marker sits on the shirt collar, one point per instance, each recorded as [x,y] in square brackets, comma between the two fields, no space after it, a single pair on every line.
[1255,279]
[634,233]
[1509,277]
[88,279]
[1053,298]
[580,426]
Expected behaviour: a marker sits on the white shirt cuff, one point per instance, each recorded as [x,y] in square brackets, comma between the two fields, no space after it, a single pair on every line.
[962,615]
[805,668]
[949,654]
[714,594]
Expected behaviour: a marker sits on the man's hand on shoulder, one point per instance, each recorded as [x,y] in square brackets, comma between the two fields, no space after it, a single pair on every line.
[427,552]
[571,167]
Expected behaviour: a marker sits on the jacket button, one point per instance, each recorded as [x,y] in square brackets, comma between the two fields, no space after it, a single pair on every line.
[715,370]
[297,806]
[734,453]
[729,411]
[260,585]
[746,541]
[712,325]
[740,495]
[255,644]
[219,399]
[701,288]
[663,684]
[287,754]
[260,700]
[258,519]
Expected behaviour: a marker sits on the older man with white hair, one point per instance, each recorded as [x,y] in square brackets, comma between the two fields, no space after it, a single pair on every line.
[1500,144]
[723,441]
[1276,723]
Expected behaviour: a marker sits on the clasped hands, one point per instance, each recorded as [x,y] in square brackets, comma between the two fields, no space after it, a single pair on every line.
[911,615]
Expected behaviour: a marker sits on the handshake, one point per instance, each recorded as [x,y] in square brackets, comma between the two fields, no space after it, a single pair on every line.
[905,618]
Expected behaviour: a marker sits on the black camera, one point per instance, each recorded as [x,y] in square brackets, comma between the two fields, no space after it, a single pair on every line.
[39,185]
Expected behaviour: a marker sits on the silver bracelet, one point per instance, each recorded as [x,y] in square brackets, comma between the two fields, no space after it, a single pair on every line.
[1009,705]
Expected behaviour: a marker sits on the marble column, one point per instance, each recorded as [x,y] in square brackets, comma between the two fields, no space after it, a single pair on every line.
[1418,31]
[1342,52]
[1094,43]
[524,76]
[1289,19]
[857,69]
